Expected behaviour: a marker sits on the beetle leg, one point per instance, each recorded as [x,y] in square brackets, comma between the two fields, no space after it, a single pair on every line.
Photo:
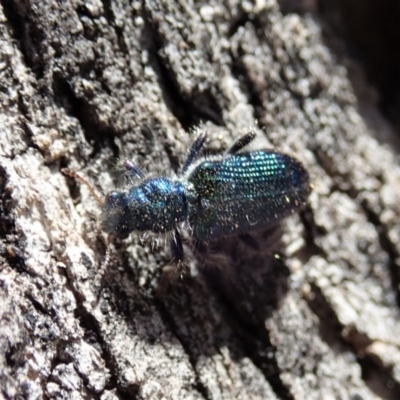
[132,170]
[242,142]
[194,151]
[177,252]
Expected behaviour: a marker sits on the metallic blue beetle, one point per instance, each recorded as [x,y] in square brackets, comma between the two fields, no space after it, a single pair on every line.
[216,196]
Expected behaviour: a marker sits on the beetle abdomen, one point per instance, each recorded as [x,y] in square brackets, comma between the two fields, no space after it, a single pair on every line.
[246,191]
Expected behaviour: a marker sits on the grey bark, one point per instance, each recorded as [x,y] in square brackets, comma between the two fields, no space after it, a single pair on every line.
[83,83]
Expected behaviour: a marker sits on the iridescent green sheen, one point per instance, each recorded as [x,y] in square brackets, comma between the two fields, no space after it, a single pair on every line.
[239,193]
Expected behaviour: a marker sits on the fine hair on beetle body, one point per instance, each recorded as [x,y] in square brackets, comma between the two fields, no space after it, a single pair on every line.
[212,196]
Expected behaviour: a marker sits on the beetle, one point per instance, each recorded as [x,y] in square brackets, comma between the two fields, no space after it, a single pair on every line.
[215,196]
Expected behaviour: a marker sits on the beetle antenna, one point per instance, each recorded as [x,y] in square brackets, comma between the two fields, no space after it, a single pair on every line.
[76,176]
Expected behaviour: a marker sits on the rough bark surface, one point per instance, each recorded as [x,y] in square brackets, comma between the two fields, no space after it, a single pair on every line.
[85,82]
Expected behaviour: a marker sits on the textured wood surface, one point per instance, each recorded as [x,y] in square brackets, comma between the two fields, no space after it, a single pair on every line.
[83,83]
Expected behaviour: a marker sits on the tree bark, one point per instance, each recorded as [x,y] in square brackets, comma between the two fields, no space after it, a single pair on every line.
[85,83]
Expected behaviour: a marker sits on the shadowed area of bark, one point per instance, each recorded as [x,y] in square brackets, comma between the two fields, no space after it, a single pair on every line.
[311,314]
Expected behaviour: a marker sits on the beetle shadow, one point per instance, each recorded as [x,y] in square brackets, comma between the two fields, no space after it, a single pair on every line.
[251,277]
[237,289]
